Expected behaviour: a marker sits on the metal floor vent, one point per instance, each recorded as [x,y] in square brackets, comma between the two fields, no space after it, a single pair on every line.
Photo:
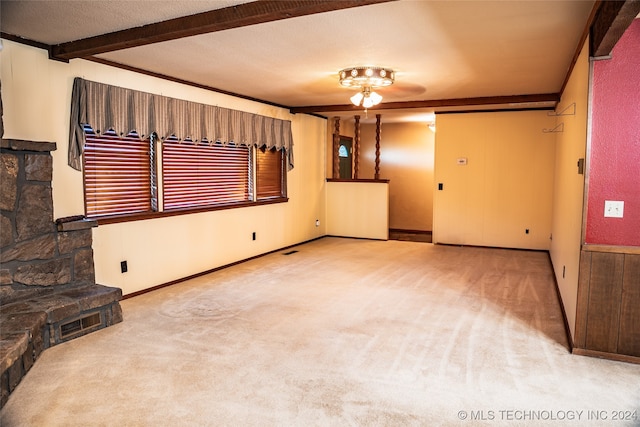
[289,253]
[81,325]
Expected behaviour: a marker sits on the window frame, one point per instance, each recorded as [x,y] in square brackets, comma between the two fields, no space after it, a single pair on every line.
[280,176]
[179,165]
[157,196]
[137,144]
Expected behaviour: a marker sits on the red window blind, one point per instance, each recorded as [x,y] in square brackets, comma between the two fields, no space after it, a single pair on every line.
[270,173]
[204,174]
[117,174]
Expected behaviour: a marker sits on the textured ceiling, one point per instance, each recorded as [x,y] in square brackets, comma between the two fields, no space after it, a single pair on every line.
[59,21]
[439,49]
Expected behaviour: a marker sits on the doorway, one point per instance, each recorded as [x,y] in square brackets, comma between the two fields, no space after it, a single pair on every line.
[345,154]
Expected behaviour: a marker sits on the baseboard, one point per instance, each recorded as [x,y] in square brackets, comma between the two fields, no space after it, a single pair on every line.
[604,355]
[565,319]
[354,237]
[464,245]
[193,276]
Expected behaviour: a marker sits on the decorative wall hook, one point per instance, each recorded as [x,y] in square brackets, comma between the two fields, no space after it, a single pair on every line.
[559,128]
[570,110]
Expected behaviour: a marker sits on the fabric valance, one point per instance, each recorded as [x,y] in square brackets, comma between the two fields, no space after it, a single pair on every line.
[105,107]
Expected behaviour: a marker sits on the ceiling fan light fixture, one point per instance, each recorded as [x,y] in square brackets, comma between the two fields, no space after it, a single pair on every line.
[357,99]
[366,78]
[358,77]
[367,102]
[375,98]
[366,98]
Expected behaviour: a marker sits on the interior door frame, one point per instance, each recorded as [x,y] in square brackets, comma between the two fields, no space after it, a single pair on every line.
[348,139]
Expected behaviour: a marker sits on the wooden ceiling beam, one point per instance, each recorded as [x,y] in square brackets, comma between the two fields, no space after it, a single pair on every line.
[511,101]
[587,30]
[611,21]
[241,15]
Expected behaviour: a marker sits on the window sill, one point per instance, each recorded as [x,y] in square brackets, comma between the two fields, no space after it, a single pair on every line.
[140,216]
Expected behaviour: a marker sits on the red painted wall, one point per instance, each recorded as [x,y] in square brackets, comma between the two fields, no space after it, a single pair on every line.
[614,171]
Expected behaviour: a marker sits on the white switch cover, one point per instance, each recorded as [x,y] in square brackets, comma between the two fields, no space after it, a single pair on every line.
[613,208]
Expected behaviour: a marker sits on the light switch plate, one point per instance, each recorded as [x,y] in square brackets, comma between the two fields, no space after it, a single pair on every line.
[613,208]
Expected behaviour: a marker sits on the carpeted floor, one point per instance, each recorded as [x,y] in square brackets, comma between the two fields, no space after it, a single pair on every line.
[342,332]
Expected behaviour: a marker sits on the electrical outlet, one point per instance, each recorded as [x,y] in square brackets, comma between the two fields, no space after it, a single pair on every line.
[613,208]
[317,223]
[253,236]
[123,267]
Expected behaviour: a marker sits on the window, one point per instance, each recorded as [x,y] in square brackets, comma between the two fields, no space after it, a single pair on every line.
[122,174]
[204,174]
[270,173]
[117,174]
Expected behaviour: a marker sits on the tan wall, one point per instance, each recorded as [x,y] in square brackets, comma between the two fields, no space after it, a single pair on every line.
[506,186]
[36,95]
[406,159]
[358,209]
[569,186]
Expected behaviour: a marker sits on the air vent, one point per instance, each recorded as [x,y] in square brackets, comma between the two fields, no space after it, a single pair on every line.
[81,325]
[289,253]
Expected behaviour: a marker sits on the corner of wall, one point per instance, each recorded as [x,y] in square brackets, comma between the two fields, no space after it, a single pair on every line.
[568,187]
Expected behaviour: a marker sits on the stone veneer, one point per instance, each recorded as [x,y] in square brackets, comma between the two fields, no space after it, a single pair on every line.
[35,256]
[47,280]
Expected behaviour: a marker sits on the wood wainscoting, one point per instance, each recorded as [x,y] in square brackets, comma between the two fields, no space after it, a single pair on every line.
[608,311]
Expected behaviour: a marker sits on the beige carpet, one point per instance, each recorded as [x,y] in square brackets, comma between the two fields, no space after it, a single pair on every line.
[343,332]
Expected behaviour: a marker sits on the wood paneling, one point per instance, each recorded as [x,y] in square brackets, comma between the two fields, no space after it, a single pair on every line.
[605,291]
[629,334]
[608,306]
[583,299]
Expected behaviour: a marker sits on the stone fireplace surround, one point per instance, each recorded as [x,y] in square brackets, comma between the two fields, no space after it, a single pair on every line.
[48,293]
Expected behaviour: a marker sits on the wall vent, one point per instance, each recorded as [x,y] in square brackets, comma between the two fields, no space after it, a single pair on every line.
[80,326]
